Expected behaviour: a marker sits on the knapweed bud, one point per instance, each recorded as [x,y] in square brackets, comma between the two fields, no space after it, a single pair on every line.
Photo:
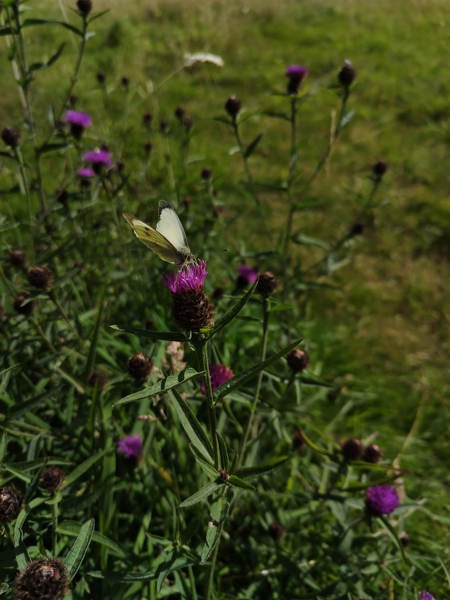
[188,123]
[40,277]
[84,6]
[206,173]
[148,147]
[23,305]
[351,449]
[191,307]
[78,122]
[296,75]
[298,441]
[347,74]
[43,579]
[372,454]
[276,531]
[218,294]
[267,283]
[425,595]
[405,540]
[179,113]
[131,447]
[163,126]
[298,360]
[62,196]
[357,229]
[73,99]
[125,81]
[52,479]
[11,136]
[11,503]
[379,168]
[381,500]
[233,106]
[97,378]
[147,118]
[101,77]
[18,258]
[139,366]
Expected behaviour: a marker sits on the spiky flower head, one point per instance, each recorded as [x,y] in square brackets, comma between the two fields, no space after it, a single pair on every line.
[78,122]
[43,579]
[139,366]
[347,74]
[247,275]
[381,500]
[11,136]
[52,479]
[424,595]
[86,173]
[40,277]
[97,157]
[130,446]
[11,502]
[218,374]
[296,74]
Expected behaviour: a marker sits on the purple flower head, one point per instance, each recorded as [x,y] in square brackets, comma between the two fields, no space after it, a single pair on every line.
[426,595]
[78,118]
[219,374]
[85,172]
[296,74]
[190,279]
[98,157]
[381,500]
[131,445]
[247,275]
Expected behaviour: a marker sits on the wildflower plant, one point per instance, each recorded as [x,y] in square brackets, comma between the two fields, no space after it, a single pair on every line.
[155,435]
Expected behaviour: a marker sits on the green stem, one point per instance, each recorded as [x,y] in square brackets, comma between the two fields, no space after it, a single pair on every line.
[292,162]
[244,159]
[18,155]
[210,401]
[55,514]
[192,582]
[266,314]
[65,317]
[210,579]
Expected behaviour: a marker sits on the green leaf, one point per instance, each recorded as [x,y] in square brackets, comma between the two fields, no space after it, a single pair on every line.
[206,465]
[5,380]
[167,336]
[224,459]
[314,446]
[72,528]
[202,493]
[51,148]
[49,63]
[223,120]
[218,512]
[23,407]
[77,552]
[87,464]
[310,241]
[239,380]
[20,549]
[252,147]
[93,17]
[93,346]
[238,482]
[231,314]
[162,386]
[7,155]
[251,472]
[191,425]
[6,31]
[32,22]
[174,565]
[393,534]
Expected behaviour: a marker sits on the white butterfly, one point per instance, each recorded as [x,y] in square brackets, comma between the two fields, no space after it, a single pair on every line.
[168,240]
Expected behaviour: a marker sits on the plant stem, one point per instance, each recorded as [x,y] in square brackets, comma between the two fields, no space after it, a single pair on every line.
[266,314]
[210,579]
[55,514]
[244,159]
[209,399]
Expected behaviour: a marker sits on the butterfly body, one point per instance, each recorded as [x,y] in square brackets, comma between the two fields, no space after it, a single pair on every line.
[168,240]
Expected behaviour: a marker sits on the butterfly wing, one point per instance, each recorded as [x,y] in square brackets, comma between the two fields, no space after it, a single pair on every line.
[169,225]
[155,240]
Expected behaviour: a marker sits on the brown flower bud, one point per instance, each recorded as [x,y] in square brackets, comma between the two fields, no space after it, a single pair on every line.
[11,136]
[179,113]
[352,449]
[206,173]
[372,454]
[40,277]
[298,360]
[267,283]
[52,479]
[298,441]
[18,258]
[276,531]
[84,6]
[43,579]
[233,106]
[192,310]
[347,74]
[405,540]
[125,81]
[380,168]
[147,118]
[11,503]
[23,305]
[139,366]
[101,77]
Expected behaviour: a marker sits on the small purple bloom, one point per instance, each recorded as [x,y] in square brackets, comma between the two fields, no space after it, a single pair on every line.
[296,74]
[426,595]
[381,500]
[247,275]
[190,278]
[78,118]
[131,445]
[219,374]
[85,172]
[98,157]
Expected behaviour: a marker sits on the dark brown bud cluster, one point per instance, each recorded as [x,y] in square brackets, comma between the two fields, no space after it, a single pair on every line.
[139,366]
[125,81]
[52,479]
[267,283]
[347,75]
[379,168]
[206,173]
[298,360]
[11,503]
[101,77]
[43,579]
[372,454]
[23,305]
[352,449]
[147,118]
[298,441]
[276,531]
[84,6]
[40,277]
[233,106]
[97,378]
[192,310]
[179,113]
[11,136]
[18,258]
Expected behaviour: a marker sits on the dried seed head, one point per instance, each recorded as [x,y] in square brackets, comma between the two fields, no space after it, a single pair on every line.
[298,360]
[276,531]
[233,105]
[43,579]
[23,305]
[52,479]
[84,6]
[97,378]
[40,277]
[139,366]
[73,99]
[357,229]
[18,258]
[11,136]
[372,454]
[352,449]
[11,503]
[267,283]
[224,475]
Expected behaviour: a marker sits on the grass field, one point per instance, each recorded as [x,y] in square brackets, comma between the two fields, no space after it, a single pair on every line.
[382,336]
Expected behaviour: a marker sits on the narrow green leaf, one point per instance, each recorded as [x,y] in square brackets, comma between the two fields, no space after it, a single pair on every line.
[191,425]
[393,534]
[52,148]
[23,407]
[49,63]
[239,380]
[310,241]
[223,120]
[17,473]
[314,446]
[446,571]
[93,17]
[231,314]
[238,482]
[224,459]
[179,563]
[218,512]
[206,465]
[252,147]
[202,493]
[167,336]
[162,386]
[72,528]
[87,464]
[32,22]
[7,155]
[6,31]
[251,472]
[5,380]
[20,549]
[94,340]
[77,552]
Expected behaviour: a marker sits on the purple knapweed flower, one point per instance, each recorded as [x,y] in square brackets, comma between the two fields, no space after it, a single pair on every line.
[381,500]
[219,374]
[98,157]
[191,278]
[296,74]
[78,122]
[247,275]
[85,172]
[130,446]
[426,595]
